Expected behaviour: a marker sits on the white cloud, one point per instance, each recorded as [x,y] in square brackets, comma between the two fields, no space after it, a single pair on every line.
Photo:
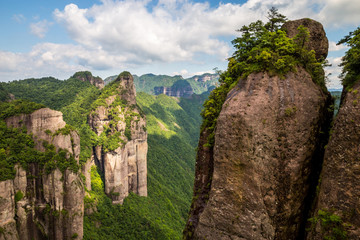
[337,13]
[19,18]
[40,28]
[173,31]
[333,72]
[130,34]
[333,47]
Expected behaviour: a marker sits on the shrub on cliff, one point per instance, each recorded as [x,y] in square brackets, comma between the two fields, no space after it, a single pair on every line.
[262,47]
[351,61]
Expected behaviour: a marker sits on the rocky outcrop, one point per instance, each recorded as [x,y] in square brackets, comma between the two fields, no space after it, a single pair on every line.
[88,77]
[124,162]
[267,142]
[317,39]
[257,181]
[339,189]
[180,88]
[37,204]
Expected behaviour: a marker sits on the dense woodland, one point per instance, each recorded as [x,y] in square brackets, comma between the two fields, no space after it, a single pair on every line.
[173,129]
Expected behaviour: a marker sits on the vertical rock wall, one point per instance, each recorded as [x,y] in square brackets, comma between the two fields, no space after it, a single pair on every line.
[339,188]
[259,179]
[51,206]
[267,137]
[124,168]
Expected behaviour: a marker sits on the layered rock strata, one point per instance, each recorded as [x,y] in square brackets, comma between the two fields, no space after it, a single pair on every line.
[339,184]
[125,166]
[37,205]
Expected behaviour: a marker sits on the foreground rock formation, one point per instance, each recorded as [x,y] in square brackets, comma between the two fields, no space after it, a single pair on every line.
[37,204]
[256,182]
[339,189]
[119,119]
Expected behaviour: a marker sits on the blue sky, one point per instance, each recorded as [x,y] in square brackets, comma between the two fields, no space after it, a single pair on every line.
[59,37]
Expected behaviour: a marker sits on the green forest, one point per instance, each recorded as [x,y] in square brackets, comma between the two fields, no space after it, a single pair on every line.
[173,129]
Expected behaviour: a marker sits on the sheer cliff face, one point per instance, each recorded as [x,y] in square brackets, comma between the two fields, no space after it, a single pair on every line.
[255,182]
[339,188]
[125,165]
[51,206]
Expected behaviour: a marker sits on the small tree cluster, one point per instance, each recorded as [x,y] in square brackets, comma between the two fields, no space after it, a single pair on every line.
[262,47]
[351,61]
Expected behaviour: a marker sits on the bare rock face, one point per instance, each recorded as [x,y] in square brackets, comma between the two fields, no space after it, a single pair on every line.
[267,142]
[88,77]
[124,166]
[317,40]
[126,82]
[180,88]
[51,205]
[339,189]
[7,211]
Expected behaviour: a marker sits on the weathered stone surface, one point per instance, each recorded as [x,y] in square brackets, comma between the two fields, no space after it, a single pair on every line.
[317,40]
[340,177]
[52,204]
[125,168]
[126,82]
[88,77]
[267,143]
[7,211]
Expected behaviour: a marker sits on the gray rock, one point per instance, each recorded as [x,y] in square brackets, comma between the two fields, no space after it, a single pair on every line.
[339,189]
[266,138]
[317,39]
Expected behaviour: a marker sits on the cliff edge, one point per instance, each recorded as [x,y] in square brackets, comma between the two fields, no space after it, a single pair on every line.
[45,198]
[121,153]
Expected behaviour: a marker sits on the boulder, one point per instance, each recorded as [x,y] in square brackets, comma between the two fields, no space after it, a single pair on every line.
[317,39]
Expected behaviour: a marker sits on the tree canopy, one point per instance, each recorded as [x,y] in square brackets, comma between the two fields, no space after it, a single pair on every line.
[351,61]
[262,47]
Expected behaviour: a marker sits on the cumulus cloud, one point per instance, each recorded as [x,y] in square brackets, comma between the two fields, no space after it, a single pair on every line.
[127,33]
[336,13]
[40,28]
[173,31]
[333,47]
[333,72]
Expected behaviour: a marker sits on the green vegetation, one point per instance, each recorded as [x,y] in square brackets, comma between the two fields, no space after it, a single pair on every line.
[17,107]
[262,47]
[173,127]
[18,147]
[4,95]
[49,91]
[332,226]
[112,137]
[18,196]
[351,61]
[171,157]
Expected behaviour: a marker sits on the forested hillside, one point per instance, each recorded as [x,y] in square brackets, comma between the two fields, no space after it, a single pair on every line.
[172,126]
[173,129]
[51,92]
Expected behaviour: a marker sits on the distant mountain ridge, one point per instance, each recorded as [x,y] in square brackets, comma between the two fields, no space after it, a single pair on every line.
[174,86]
